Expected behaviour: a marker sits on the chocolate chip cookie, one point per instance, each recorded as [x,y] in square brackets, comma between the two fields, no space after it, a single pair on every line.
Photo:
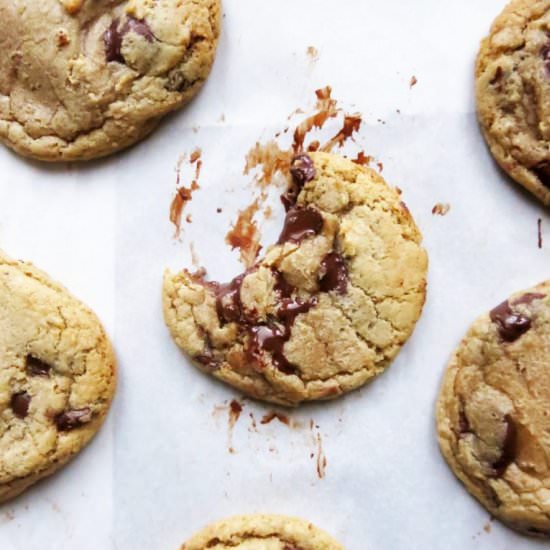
[57,376]
[513,93]
[80,79]
[262,532]
[493,412]
[330,304]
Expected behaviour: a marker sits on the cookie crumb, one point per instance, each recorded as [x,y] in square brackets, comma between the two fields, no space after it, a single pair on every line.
[487,527]
[380,166]
[539,232]
[222,118]
[441,209]
[413,81]
[313,53]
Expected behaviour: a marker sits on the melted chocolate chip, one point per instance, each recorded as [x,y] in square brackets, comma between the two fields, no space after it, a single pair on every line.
[114,35]
[528,298]
[228,300]
[509,447]
[511,326]
[545,54]
[69,420]
[301,223]
[302,170]
[281,286]
[112,39]
[542,171]
[272,337]
[36,367]
[207,361]
[333,274]
[19,404]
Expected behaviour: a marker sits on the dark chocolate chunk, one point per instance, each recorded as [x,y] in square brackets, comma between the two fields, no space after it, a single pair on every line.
[19,404]
[139,26]
[333,274]
[302,169]
[301,223]
[69,420]
[36,367]
[509,447]
[511,326]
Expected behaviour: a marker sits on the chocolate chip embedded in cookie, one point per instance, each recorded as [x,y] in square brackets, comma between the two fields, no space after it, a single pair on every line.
[513,93]
[57,376]
[80,79]
[328,307]
[492,413]
[259,532]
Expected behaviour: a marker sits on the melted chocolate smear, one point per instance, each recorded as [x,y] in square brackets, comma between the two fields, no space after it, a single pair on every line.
[333,274]
[272,337]
[208,361]
[113,36]
[228,301]
[511,326]
[69,420]
[281,286]
[529,298]
[36,367]
[509,447]
[301,223]
[19,404]
[302,170]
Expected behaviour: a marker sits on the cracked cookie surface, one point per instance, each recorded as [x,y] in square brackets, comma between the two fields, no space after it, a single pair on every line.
[327,308]
[262,532]
[513,93]
[80,79]
[493,412]
[57,376]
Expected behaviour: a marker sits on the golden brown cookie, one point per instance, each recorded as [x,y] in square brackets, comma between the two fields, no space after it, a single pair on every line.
[57,376]
[80,79]
[330,304]
[262,532]
[513,93]
[493,412]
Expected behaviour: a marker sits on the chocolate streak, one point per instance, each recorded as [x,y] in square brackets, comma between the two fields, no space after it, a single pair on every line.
[511,326]
[333,275]
[301,223]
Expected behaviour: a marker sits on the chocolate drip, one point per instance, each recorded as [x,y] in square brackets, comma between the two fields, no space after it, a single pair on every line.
[19,404]
[509,447]
[333,274]
[511,326]
[301,223]
[228,301]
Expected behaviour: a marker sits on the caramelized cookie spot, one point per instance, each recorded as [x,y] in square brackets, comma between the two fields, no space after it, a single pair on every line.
[509,447]
[333,274]
[19,404]
[301,223]
[36,367]
[511,326]
[69,420]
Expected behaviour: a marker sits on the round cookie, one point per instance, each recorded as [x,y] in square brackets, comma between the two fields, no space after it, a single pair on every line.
[327,308]
[57,376]
[262,532]
[80,79]
[493,411]
[513,93]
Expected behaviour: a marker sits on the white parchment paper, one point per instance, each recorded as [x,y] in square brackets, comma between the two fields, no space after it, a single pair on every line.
[161,467]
